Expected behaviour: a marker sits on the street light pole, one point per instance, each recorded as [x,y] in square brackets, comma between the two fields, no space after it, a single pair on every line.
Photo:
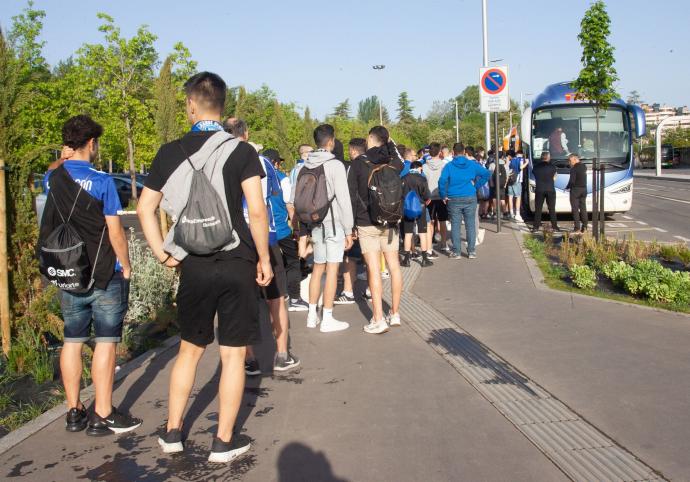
[380,67]
[485,32]
[457,123]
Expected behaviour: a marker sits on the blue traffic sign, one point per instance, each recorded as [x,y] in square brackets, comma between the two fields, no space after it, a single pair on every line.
[493,81]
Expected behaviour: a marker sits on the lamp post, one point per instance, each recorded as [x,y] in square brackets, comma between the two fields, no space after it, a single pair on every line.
[485,32]
[457,123]
[379,67]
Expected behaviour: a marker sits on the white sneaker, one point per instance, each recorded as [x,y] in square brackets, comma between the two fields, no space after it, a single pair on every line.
[313,320]
[518,218]
[376,327]
[329,326]
[480,236]
[394,319]
[385,274]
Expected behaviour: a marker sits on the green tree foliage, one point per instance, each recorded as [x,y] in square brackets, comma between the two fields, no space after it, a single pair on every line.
[342,110]
[368,111]
[634,98]
[405,114]
[166,104]
[678,137]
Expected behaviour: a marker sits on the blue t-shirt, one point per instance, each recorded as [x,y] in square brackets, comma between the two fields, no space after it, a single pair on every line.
[97,183]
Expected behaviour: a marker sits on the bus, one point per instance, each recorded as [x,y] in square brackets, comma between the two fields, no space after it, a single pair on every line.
[560,124]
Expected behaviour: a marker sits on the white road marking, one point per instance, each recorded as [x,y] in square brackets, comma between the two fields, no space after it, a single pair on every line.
[616,225]
[645,188]
[664,197]
[642,223]
[626,217]
[686,240]
[661,230]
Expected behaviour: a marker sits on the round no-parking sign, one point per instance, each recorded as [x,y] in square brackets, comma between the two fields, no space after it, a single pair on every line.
[493,89]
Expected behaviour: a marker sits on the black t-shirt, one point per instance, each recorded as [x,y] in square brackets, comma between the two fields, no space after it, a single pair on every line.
[242,164]
[544,173]
[578,176]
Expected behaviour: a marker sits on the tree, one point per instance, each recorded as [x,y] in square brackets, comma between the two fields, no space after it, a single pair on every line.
[368,111]
[342,110]
[595,83]
[405,114]
[634,98]
[166,104]
[124,69]
[468,101]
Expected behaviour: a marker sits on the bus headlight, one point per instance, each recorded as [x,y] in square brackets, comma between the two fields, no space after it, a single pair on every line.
[623,190]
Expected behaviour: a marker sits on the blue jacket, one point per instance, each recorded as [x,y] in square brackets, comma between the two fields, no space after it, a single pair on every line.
[461,178]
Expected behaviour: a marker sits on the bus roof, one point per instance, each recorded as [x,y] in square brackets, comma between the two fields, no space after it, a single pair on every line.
[562,94]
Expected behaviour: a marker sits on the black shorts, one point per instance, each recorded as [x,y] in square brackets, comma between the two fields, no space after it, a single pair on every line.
[438,210]
[224,286]
[278,286]
[355,251]
[409,224]
[503,194]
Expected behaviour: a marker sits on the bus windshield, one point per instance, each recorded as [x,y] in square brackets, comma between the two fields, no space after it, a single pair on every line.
[573,129]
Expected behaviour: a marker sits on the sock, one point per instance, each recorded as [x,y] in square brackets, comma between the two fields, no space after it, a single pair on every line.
[281,356]
[327,314]
[312,309]
[348,293]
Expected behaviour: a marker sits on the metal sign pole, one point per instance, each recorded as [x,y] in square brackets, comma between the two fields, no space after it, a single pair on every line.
[499,213]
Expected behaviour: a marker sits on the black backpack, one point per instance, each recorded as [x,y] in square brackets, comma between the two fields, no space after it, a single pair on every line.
[385,194]
[63,258]
[312,203]
[203,226]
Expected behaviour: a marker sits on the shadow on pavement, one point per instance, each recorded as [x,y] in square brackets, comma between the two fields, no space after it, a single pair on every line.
[475,353]
[297,462]
[137,388]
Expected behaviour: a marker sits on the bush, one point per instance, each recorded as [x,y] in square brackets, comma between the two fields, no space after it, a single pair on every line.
[29,354]
[617,272]
[583,276]
[650,279]
[677,252]
[152,286]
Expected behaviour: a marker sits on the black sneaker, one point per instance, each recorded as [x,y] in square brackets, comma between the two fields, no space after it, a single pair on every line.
[171,441]
[116,422]
[432,254]
[344,299]
[426,262]
[76,419]
[224,452]
[251,368]
[286,364]
[298,304]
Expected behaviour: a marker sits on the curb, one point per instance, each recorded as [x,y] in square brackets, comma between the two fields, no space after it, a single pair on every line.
[539,283]
[39,423]
[660,178]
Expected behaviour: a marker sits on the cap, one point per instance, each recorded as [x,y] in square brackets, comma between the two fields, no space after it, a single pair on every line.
[271,154]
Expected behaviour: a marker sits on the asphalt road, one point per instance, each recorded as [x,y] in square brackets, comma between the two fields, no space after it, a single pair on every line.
[664,206]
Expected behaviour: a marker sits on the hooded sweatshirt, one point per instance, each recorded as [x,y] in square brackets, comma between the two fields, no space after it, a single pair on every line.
[432,170]
[461,178]
[358,179]
[336,182]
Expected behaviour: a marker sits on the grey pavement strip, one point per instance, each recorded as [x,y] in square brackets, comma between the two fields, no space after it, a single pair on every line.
[575,446]
[25,431]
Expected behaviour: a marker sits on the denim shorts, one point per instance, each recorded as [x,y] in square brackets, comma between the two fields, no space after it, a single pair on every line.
[515,190]
[331,247]
[105,309]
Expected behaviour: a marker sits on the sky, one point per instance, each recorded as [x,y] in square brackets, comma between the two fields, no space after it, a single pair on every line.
[319,53]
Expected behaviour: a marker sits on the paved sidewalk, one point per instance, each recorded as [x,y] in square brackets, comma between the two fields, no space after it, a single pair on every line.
[362,408]
[681,173]
[396,407]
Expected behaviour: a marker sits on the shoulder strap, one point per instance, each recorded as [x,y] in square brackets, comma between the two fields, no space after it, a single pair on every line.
[74,204]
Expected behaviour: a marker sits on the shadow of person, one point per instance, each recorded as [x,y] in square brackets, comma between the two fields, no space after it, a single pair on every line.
[136,390]
[297,462]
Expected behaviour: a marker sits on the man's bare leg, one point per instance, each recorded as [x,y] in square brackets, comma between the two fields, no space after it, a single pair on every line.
[396,279]
[182,380]
[230,389]
[71,370]
[103,374]
[375,284]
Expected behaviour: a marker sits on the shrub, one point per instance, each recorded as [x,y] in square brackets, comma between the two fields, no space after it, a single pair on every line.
[650,279]
[617,272]
[152,286]
[29,354]
[584,277]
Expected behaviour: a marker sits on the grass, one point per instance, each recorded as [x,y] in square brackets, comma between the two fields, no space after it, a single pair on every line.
[556,277]
[25,412]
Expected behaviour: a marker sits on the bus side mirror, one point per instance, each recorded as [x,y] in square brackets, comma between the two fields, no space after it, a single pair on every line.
[526,126]
[640,120]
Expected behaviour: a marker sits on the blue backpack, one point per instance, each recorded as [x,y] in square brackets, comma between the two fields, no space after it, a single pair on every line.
[273,186]
[484,192]
[412,206]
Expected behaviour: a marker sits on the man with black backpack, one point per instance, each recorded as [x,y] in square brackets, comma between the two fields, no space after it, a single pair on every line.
[83,251]
[221,257]
[322,204]
[376,193]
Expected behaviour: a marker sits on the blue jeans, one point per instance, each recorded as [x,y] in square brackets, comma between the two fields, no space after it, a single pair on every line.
[105,309]
[459,209]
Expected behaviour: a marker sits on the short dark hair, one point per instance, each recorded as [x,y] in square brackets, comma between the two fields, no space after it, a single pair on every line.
[79,130]
[271,154]
[401,149]
[458,148]
[469,150]
[236,127]
[339,150]
[416,165]
[299,148]
[358,144]
[208,89]
[380,133]
[519,152]
[545,155]
[434,149]
[323,134]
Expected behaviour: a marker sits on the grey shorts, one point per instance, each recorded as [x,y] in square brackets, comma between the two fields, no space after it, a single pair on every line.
[329,246]
[515,190]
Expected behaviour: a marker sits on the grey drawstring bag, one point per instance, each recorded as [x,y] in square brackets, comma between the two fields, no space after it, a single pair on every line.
[203,226]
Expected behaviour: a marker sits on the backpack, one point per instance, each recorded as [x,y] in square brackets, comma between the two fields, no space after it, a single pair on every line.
[512,178]
[272,189]
[412,206]
[203,226]
[385,195]
[63,258]
[311,197]
[484,192]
